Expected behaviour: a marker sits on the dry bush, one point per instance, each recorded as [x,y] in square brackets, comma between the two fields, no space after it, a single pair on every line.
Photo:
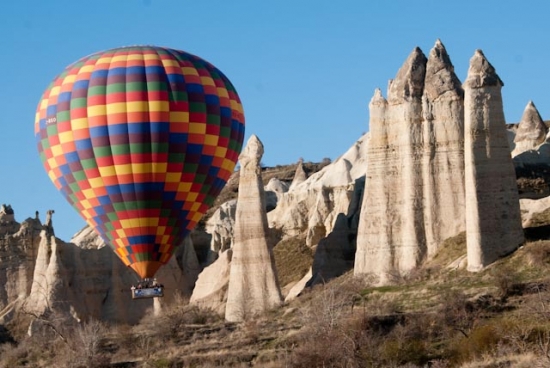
[174,317]
[86,344]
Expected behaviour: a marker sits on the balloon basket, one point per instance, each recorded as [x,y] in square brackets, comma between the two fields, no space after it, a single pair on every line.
[146,289]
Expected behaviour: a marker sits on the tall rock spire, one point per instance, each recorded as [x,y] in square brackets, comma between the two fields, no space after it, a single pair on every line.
[253,286]
[390,236]
[443,157]
[493,221]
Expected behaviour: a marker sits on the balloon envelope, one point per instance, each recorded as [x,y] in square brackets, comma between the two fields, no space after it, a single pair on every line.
[140,141]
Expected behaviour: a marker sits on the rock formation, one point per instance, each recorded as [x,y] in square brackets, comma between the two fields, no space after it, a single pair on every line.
[415,167]
[312,206]
[44,275]
[211,287]
[253,286]
[531,131]
[299,176]
[493,221]
[415,193]
[531,142]
[18,251]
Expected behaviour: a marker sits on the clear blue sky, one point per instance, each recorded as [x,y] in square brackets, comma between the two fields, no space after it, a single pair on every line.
[304,69]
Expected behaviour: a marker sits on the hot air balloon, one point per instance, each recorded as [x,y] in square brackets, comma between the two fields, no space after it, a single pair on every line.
[140,140]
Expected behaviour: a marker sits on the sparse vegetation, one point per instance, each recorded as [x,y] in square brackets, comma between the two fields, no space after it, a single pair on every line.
[437,316]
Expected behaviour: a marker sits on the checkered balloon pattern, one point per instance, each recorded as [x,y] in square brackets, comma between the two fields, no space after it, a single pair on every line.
[140,141]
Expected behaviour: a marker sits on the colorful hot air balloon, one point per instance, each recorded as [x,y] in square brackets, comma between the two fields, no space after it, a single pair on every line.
[140,140]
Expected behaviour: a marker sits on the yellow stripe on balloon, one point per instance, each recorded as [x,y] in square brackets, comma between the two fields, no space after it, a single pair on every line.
[55,91]
[52,175]
[52,164]
[207,81]
[120,232]
[179,116]
[222,92]
[191,197]
[140,168]
[81,123]
[103,60]
[57,151]
[118,58]
[196,217]
[69,79]
[195,206]
[116,108]
[44,104]
[166,63]
[228,165]
[86,69]
[159,106]
[130,223]
[211,140]
[189,71]
[221,151]
[96,182]
[236,106]
[159,167]
[97,110]
[173,177]
[107,171]
[66,137]
[150,221]
[86,204]
[135,57]
[197,128]
[184,187]
[122,251]
[135,106]
[88,193]
[150,57]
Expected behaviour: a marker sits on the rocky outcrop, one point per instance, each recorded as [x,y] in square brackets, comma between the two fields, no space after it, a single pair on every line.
[424,139]
[83,279]
[299,176]
[18,251]
[531,131]
[531,140]
[273,191]
[334,254]
[253,286]
[493,221]
[414,192]
[312,206]
[211,287]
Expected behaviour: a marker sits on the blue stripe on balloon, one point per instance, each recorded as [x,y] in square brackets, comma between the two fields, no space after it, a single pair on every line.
[160,127]
[194,148]
[81,84]
[99,73]
[138,127]
[83,144]
[115,129]
[71,157]
[64,97]
[212,100]
[193,87]
[225,111]
[155,70]
[99,131]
